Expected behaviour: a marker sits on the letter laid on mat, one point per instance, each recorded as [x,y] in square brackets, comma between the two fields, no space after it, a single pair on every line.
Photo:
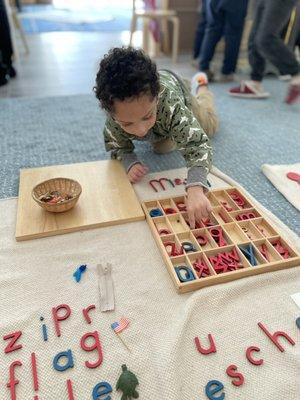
[106,288]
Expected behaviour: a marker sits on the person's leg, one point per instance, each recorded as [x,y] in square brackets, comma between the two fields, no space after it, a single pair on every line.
[202,103]
[5,39]
[204,111]
[253,89]
[3,74]
[256,59]
[200,31]
[213,33]
[234,26]
[277,14]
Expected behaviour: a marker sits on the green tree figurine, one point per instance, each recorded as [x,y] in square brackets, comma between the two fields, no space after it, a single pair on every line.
[127,384]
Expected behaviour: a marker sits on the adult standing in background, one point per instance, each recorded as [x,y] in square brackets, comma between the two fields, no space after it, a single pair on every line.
[199,35]
[223,18]
[266,43]
[6,50]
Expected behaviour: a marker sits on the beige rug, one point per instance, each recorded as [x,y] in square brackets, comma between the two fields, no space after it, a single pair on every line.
[37,275]
[277,175]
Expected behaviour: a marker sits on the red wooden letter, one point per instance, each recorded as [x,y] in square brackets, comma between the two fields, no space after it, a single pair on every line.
[275,336]
[57,318]
[212,348]
[11,345]
[85,312]
[96,346]
[34,372]
[70,390]
[12,381]
[249,352]
[231,371]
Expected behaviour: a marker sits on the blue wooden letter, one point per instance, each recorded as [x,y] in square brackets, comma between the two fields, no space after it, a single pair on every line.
[69,364]
[213,387]
[106,388]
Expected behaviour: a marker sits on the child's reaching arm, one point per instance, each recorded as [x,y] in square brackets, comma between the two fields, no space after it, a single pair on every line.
[122,148]
[194,145]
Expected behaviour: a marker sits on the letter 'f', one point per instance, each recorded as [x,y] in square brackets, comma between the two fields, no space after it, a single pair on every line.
[12,381]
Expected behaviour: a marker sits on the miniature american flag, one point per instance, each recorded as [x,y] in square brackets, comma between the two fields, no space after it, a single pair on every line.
[120,326]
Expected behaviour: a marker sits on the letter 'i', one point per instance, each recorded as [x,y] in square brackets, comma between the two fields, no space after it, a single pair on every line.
[44,330]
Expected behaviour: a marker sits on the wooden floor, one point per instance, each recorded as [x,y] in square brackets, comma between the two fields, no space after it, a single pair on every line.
[65,63]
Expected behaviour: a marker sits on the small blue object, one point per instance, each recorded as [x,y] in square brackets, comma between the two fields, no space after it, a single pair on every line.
[69,361]
[188,247]
[45,333]
[248,252]
[188,273]
[100,390]
[298,322]
[213,387]
[156,212]
[79,271]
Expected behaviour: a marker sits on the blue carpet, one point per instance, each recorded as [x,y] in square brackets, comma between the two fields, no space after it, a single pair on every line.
[49,131]
[120,21]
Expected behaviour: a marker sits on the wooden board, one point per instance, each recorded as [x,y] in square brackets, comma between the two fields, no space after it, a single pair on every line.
[107,199]
[241,225]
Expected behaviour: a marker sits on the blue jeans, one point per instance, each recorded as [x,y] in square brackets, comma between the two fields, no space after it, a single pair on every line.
[224,18]
[200,32]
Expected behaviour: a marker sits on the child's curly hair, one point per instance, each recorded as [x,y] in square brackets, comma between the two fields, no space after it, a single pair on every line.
[125,73]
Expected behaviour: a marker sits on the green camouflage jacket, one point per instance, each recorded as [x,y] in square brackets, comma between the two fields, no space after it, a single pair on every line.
[174,120]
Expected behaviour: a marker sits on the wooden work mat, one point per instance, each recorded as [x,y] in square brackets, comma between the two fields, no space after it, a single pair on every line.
[107,199]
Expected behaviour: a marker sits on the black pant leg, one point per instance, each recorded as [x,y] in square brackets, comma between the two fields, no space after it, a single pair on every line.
[5,37]
[269,41]
[256,59]
[234,26]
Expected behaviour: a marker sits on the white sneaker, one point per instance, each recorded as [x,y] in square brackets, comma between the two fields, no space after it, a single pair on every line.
[199,79]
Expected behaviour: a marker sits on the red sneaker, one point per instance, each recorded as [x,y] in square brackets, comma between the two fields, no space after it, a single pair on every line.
[293,94]
[248,90]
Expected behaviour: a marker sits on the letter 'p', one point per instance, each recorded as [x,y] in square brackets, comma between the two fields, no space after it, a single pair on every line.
[57,318]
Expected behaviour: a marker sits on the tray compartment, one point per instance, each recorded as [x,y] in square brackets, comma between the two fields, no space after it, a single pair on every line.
[235,233]
[188,242]
[267,251]
[183,270]
[180,203]
[168,206]
[172,245]
[264,228]
[225,201]
[177,223]
[282,247]
[252,254]
[201,235]
[201,265]
[232,258]
[245,215]
[250,230]
[162,226]
[219,236]
[221,215]
[239,199]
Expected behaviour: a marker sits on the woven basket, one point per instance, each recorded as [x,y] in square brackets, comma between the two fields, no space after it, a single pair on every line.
[64,186]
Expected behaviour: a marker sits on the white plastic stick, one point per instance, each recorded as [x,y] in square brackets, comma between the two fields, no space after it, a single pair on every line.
[106,288]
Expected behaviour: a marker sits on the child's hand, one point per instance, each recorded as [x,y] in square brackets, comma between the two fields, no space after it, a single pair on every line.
[197,205]
[137,172]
